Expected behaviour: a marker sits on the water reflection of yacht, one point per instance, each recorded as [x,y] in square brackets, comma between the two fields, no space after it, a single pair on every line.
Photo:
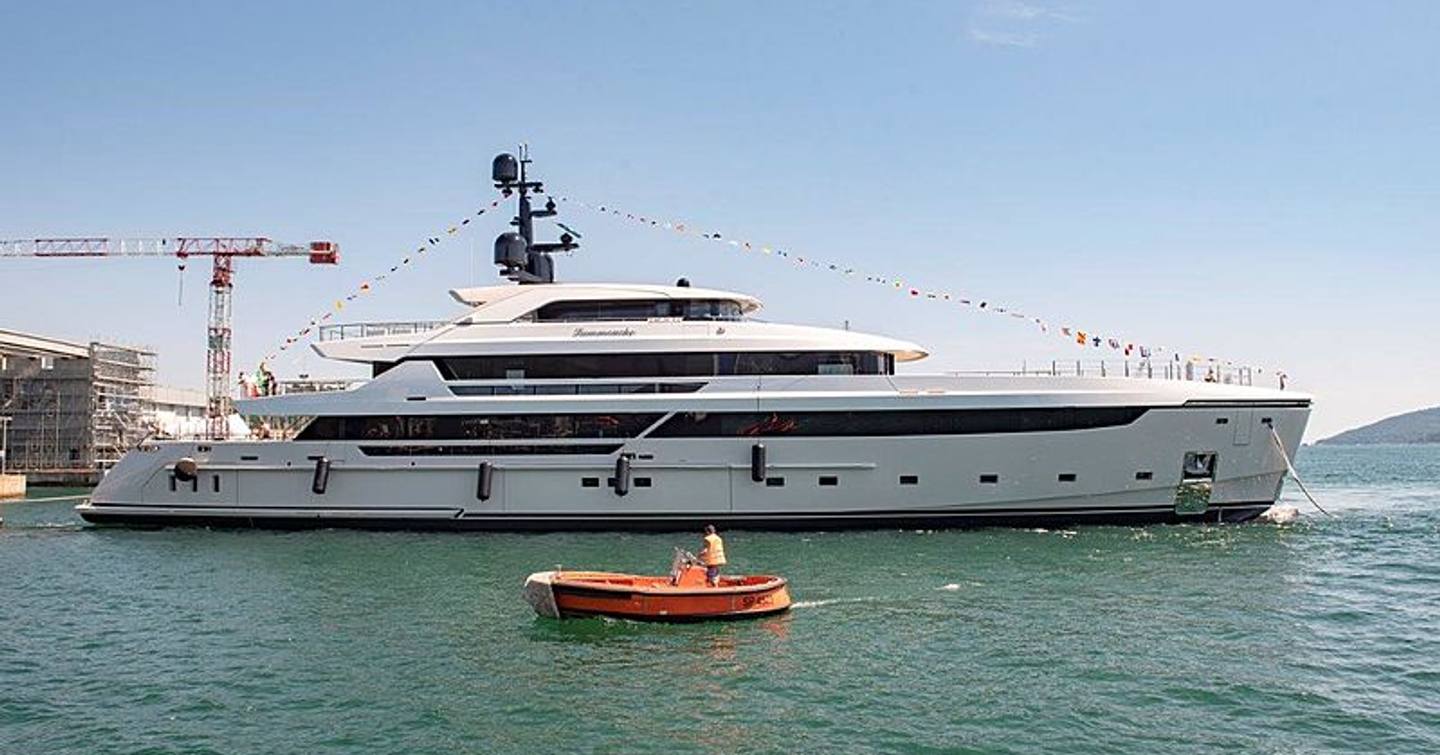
[564,405]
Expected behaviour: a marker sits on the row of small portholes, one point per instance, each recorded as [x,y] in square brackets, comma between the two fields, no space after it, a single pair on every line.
[830,481]
[825,481]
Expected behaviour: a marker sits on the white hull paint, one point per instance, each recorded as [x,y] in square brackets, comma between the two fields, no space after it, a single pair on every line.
[693,480]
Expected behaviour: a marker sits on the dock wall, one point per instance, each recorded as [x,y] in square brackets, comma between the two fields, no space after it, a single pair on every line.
[12,486]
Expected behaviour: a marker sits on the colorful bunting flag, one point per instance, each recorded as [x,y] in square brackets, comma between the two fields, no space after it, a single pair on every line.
[367,286]
[1081,338]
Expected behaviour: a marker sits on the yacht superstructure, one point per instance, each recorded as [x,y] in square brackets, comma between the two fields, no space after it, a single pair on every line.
[565,406]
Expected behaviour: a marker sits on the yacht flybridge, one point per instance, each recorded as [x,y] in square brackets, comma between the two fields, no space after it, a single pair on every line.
[610,405]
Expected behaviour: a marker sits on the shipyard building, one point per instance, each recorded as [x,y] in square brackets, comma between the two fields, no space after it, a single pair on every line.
[69,410]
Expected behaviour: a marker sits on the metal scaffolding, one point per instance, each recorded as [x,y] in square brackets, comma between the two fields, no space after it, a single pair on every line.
[73,406]
[222,250]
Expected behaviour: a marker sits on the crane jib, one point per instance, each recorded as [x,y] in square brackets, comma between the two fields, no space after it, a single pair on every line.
[222,250]
[319,252]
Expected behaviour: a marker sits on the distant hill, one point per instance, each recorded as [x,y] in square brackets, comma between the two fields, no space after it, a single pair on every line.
[1421,426]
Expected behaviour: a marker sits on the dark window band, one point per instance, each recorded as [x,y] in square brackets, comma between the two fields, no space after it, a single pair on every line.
[664,365]
[478,427]
[892,423]
[526,450]
[573,389]
[643,309]
[1229,404]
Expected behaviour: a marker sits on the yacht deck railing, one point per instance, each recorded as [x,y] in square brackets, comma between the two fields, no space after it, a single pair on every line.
[342,331]
[1195,371]
[284,428]
[319,386]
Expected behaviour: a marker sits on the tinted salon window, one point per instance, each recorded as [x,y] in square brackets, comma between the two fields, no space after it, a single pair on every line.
[478,427]
[688,364]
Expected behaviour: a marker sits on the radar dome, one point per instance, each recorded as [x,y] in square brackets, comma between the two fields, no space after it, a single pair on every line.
[511,251]
[505,168]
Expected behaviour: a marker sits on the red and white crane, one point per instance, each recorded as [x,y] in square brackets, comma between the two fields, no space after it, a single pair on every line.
[222,250]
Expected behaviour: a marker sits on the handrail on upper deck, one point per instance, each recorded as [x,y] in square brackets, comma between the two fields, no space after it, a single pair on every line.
[343,331]
[1192,371]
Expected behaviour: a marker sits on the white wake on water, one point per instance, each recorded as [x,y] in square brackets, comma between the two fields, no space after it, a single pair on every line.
[829,602]
[1280,514]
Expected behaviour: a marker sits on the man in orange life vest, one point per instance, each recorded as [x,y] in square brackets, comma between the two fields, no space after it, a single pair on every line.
[712,555]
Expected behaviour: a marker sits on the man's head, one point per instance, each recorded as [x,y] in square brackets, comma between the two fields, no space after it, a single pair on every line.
[709,529]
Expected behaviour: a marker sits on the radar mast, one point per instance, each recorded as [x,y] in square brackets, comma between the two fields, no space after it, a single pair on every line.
[521,259]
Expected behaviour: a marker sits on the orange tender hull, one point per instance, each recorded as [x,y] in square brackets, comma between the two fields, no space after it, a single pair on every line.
[574,594]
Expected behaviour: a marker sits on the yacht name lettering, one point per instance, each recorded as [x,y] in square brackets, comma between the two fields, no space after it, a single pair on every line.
[583,332]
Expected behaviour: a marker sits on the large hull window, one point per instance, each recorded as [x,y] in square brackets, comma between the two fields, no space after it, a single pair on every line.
[892,423]
[665,365]
[478,427]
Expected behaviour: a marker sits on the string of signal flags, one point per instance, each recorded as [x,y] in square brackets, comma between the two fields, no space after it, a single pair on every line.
[1084,338]
[368,285]
[1080,337]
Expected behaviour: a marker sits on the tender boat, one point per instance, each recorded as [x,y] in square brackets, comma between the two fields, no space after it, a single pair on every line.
[682,596]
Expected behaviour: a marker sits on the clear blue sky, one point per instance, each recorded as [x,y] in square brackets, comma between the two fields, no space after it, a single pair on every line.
[1259,181]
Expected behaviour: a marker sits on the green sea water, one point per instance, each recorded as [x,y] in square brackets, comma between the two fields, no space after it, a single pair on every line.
[1321,636]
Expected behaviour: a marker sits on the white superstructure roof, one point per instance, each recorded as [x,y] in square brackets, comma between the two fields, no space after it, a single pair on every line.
[500,324]
[505,303]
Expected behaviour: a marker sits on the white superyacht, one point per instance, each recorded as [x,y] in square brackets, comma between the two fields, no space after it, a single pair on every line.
[550,406]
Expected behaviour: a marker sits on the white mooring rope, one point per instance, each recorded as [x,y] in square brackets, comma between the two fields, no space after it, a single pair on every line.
[1275,436]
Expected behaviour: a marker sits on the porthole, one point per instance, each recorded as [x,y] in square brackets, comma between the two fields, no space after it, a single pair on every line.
[829,480]
[1222,420]
[642,482]
[774,482]
[1144,475]
[589,482]
[1067,477]
[909,479]
[989,479]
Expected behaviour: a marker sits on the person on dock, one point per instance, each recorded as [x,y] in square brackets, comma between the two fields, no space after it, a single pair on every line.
[712,555]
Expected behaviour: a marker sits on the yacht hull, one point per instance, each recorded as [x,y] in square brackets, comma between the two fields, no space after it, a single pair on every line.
[1133,471]
[103,514]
